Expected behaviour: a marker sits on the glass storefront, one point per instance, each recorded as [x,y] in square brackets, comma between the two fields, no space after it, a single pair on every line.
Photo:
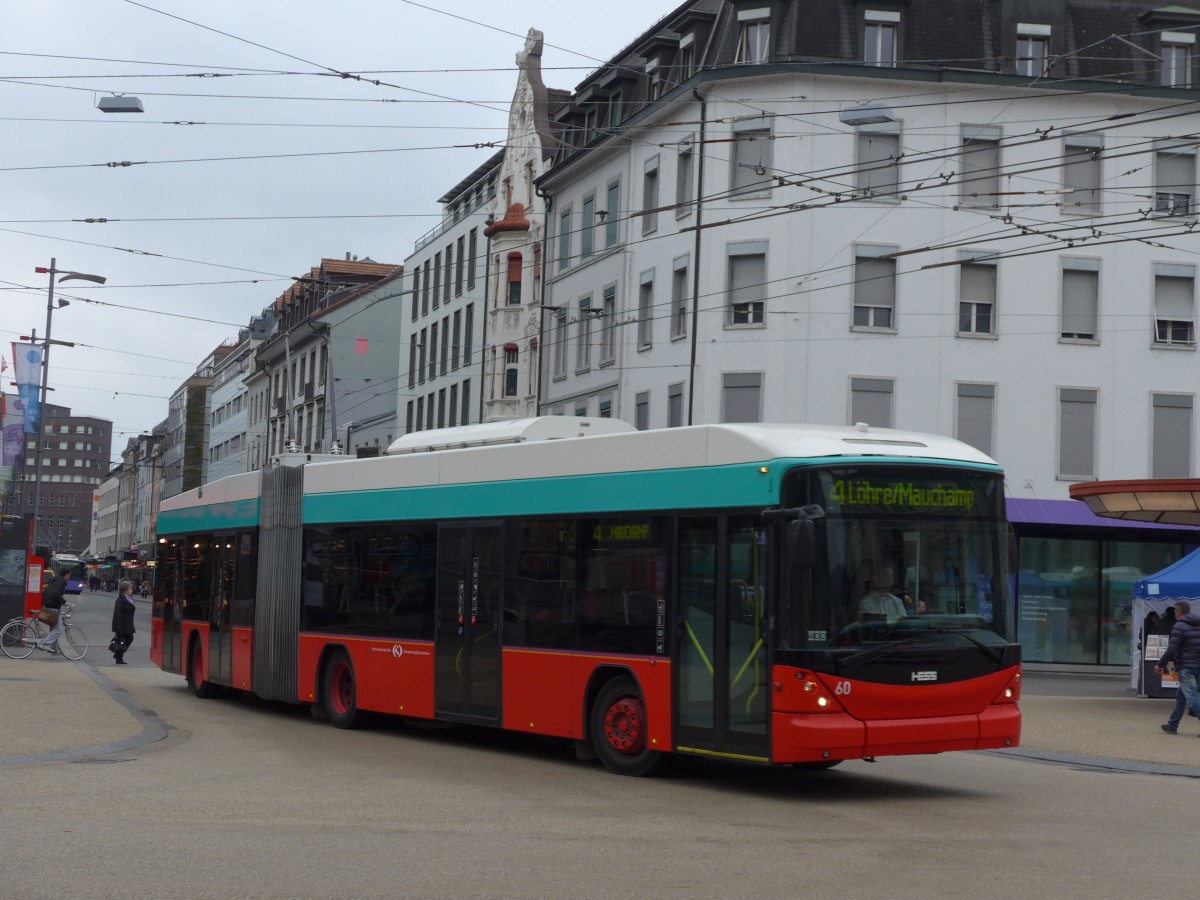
[1074,595]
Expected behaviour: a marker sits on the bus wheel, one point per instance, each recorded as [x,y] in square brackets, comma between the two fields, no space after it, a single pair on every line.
[619,730]
[201,688]
[341,692]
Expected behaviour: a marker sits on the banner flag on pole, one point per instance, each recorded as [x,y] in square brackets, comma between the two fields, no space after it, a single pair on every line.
[27,365]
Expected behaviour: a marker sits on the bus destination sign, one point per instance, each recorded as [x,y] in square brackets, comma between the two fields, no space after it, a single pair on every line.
[862,495]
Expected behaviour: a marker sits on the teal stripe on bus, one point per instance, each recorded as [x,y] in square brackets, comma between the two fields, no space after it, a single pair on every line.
[212,517]
[742,485]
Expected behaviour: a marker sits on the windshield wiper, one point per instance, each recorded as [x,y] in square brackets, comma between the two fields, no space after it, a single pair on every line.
[866,655]
[991,652]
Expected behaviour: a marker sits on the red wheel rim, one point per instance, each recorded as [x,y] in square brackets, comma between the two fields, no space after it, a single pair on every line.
[343,688]
[625,726]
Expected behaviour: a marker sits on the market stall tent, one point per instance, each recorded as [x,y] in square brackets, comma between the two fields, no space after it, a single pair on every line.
[1155,593]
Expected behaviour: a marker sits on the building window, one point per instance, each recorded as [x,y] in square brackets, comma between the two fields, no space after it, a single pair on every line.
[583,349]
[455,346]
[641,411]
[510,372]
[977,298]
[608,338]
[1171,453]
[741,397]
[1033,50]
[747,283]
[468,332]
[458,267]
[1174,304]
[605,409]
[1076,433]
[878,166]
[1174,179]
[448,273]
[645,324]
[612,214]
[871,401]
[675,405]
[416,292]
[437,279]
[879,37]
[679,298]
[1081,173]
[425,283]
[445,345]
[513,292]
[980,181]
[752,158]
[472,250]
[975,416]
[654,85]
[453,410]
[423,348]
[685,63]
[650,197]
[874,288]
[754,36]
[587,226]
[684,192]
[465,417]
[1177,49]
[1080,299]
[564,238]
[433,347]
[560,343]
[412,359]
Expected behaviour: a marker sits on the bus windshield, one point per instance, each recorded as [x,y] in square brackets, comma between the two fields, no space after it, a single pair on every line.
[903,552]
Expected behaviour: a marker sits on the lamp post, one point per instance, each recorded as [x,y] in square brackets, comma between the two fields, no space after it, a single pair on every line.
[46,342]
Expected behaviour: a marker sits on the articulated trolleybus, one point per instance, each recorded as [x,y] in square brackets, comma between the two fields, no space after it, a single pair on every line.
[769,593]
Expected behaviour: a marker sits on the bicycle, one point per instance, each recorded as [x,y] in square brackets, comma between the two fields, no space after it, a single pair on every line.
[20,637]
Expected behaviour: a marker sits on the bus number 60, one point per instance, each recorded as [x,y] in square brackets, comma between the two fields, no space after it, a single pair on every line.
[842,688]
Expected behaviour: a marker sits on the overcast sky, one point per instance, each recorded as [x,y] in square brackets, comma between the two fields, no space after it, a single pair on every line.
[203,231]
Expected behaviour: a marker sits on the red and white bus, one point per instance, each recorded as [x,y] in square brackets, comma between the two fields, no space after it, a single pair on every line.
[772,593]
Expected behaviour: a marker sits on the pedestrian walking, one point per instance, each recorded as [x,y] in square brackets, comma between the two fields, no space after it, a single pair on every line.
[1183,657]
[122,622]
[53,597]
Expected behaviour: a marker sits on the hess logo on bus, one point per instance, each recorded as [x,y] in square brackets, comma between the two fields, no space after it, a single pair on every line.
[930,675]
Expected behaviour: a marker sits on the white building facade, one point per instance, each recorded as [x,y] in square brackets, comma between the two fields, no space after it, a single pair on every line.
[442,322]
[1002,253]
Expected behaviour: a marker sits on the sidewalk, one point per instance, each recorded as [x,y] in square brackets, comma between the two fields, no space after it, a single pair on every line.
[55,709]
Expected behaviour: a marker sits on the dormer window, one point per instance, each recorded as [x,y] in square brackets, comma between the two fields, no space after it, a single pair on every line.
[1177,50]
[686,61]
[653,80]
[1033,49]
[879,37]
[754,35]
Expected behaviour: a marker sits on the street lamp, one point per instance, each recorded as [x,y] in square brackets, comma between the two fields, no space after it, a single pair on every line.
[41,428]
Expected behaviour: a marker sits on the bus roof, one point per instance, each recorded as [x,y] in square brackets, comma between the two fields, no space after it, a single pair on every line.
[635,451]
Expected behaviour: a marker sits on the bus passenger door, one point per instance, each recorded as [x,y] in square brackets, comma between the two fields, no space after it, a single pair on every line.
[722,681]
[470,566]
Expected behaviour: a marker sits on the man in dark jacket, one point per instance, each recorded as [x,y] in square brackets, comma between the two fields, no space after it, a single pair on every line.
[52,598]
[1183,655]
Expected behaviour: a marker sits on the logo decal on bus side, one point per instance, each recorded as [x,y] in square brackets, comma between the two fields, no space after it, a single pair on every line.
[924,676]
[397,650]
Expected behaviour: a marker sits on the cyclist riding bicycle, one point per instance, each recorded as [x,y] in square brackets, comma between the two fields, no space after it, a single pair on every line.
[52,600]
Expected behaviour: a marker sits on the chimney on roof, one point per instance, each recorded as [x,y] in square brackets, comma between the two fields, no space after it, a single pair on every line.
[347,256]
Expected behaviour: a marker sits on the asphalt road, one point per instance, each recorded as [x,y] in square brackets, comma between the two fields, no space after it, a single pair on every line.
[248,799]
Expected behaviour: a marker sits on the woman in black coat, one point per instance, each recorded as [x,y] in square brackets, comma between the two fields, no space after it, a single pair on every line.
[122,621]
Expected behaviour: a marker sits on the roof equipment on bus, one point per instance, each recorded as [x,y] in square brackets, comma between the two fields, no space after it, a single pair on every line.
[507,431]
